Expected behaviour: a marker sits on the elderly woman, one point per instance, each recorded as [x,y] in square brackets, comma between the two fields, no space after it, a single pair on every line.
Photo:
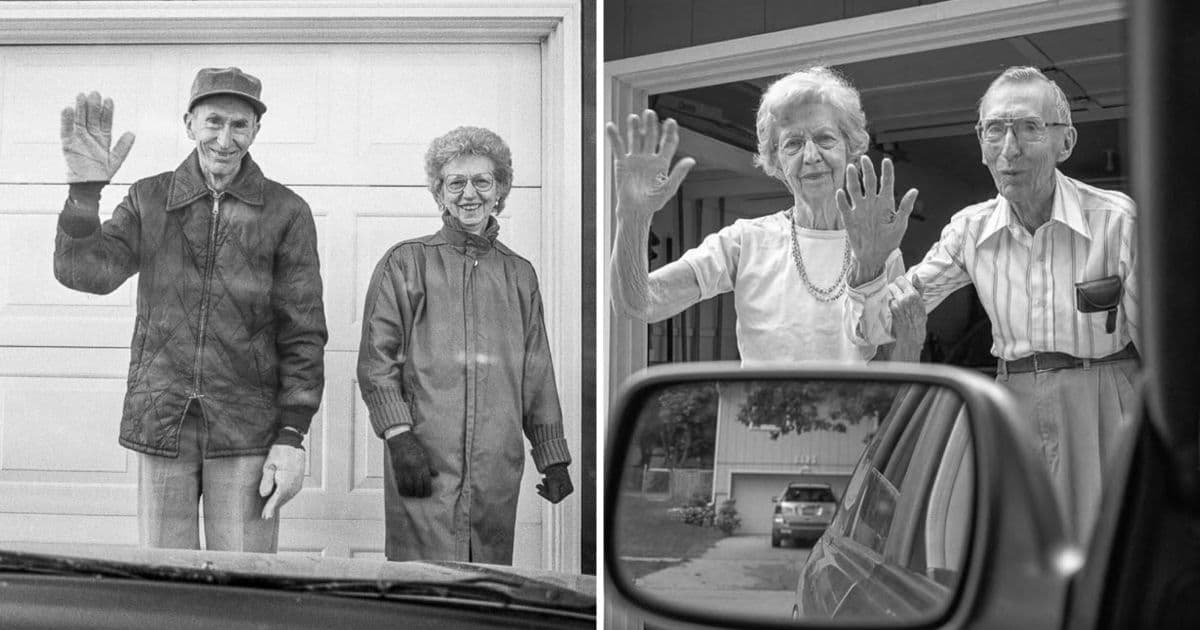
[787,270]
[454,366]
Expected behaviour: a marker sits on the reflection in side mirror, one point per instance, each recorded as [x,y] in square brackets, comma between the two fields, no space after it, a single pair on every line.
[872,486]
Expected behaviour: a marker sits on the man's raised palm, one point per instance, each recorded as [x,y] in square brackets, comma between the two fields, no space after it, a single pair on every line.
[87,138]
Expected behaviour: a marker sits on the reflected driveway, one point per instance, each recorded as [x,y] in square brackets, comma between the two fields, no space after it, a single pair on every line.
[740,575]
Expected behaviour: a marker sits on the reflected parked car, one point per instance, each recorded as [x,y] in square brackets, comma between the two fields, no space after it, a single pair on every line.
[802,512]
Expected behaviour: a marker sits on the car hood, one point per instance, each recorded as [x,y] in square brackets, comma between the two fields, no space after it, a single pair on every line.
[311,567]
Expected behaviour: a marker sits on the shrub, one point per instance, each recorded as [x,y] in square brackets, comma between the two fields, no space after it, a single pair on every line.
[697,511]
[726,518]
[700,516]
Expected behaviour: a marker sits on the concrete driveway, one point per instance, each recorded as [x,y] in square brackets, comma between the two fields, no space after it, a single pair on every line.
[740,575]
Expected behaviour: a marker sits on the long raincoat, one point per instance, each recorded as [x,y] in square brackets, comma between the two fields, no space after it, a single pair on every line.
[454,344]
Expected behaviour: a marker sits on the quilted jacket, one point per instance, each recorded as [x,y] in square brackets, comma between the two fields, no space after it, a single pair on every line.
[229,309]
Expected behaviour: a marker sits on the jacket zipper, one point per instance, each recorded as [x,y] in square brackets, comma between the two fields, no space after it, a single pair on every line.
[206,291]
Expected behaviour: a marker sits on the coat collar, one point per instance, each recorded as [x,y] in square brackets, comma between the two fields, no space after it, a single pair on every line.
[1065,209]
[188,185]
[454,233]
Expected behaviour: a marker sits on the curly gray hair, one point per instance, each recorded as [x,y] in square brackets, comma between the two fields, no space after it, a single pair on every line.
[815,84]
[463,141]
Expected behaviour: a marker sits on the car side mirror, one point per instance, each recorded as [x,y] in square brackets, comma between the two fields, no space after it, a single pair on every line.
[937,487]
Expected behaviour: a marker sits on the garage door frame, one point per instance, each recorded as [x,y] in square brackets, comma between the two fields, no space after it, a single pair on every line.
[553,25]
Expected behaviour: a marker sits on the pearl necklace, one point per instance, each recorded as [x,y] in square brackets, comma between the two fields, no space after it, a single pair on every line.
[838,287]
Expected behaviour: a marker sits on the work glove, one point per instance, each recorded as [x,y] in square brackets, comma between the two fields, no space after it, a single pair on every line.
[86,139]
[282,476]
[411,466]
[556,483]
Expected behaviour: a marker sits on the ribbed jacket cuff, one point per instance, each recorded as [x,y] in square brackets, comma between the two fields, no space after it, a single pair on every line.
[289,438]
[80,215]
[299,418]
[386,408]
[549,446]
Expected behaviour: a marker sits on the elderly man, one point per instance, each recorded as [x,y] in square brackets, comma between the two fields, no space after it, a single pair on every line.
[1053,260]
[227,364]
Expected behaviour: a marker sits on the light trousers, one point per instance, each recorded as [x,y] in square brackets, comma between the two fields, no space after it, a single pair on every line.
[170,490]
[1078,419]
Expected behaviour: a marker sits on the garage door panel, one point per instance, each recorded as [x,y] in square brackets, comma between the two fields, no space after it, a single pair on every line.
[444,87]
[37,85]
[29,270]
[315,451]
[302,137]
[752,495]
[45,427]
[368,452]
[59,419]
[28,220]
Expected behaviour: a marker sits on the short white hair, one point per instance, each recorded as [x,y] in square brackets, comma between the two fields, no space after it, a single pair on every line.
[1029,74]
[815,84]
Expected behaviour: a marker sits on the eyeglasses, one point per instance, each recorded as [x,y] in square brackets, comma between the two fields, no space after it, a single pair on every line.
[482,182]
[795,143]
[1027,129]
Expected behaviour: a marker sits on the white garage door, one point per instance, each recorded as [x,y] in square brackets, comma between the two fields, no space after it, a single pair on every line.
[753,492]
[347,128]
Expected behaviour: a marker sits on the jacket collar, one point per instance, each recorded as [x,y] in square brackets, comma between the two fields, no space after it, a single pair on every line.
[188,184]
[452,230]
[1065,209]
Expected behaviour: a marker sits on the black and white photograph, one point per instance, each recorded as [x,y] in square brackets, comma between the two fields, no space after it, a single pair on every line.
[296,314]
[895,314]
[621,314]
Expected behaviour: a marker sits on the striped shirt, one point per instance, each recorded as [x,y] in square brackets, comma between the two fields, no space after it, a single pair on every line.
[1025,282]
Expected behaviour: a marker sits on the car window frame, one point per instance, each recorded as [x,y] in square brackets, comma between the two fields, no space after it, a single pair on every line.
[955,474]
[907,439]
[942,414]
[908,398]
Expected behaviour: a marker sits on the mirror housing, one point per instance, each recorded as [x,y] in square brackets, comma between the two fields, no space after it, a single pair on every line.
[1018,551]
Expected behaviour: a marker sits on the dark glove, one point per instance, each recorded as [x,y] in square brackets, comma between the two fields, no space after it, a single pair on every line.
[410,464]
[556,484]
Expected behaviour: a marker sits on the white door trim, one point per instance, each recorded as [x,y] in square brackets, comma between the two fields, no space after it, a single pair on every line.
[554,25]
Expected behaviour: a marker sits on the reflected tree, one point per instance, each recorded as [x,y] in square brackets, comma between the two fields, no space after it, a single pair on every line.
[785,407]
[684,427]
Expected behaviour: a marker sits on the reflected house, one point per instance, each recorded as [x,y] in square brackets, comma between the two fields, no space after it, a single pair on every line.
[755,462]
